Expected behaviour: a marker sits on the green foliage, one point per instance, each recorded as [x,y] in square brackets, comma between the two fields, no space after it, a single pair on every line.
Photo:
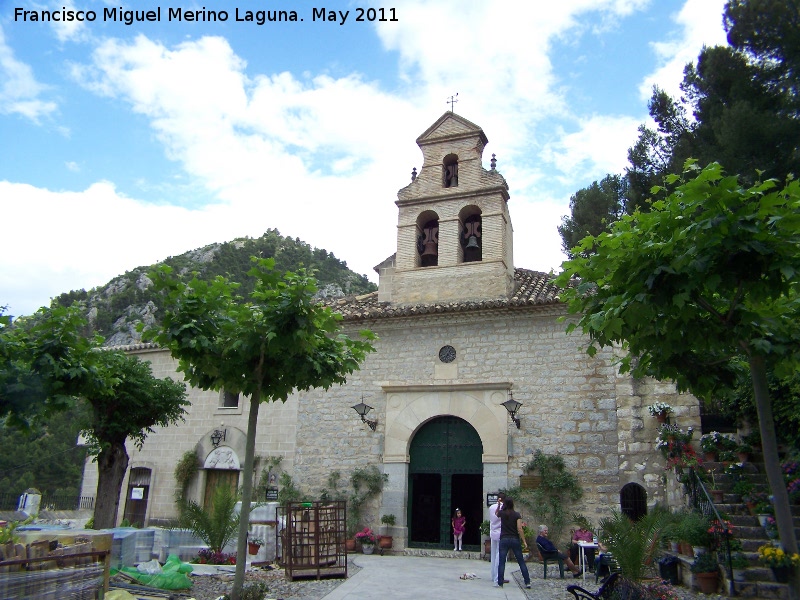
[633,544]
[187,467]
[7,531]
[389,520]
[485,528]
[252,591]
[592,210]
[367,483]
[550,502]
[694,529]
[46,457]
[215,525]
[739,561]
[288,492]
[705,563]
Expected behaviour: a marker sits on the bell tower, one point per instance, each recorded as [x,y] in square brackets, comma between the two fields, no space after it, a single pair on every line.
[454,234]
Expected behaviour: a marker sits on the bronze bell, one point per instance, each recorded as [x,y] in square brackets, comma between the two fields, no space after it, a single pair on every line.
[472,243]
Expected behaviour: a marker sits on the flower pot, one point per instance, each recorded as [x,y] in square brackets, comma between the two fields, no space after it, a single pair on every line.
[781,574]
[487,547]
[686,549]
[252,548]
[717,496]
[743,456]
[707,582]
[661,418]
[762,519]
[751,506]
[710,456]
[350,545]
[385,541]
[367,548]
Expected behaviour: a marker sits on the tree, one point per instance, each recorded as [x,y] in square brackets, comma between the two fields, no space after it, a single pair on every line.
[279,341]
[592,209]
[699,287]
[125,400]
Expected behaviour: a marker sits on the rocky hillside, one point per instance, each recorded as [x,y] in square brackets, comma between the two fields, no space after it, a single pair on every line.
[115,309]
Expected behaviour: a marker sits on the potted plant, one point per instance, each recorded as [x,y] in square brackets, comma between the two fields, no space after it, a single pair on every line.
[706,572]
[660,410]
[739,564]
[717,494]
[485,529]
[696,532]
[388,521]
[253,544]
[781,563]
[367,539]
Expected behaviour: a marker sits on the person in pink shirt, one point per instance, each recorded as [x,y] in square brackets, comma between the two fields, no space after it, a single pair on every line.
[459,524]
[581,535]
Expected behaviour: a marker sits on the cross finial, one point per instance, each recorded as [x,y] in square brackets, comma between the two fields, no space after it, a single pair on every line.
[452,100]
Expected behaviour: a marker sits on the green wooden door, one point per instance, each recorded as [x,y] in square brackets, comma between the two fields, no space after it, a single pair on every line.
[445,473]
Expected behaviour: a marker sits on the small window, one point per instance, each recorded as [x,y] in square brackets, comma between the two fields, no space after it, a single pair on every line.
[229,400]
[450,171]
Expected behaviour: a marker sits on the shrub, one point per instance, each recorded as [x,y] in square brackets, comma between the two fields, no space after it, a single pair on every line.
[215,525]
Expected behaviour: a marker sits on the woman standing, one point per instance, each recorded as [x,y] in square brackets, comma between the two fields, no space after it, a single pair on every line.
[512,538]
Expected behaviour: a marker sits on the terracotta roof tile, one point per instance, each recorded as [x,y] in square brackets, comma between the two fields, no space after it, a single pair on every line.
[531,288]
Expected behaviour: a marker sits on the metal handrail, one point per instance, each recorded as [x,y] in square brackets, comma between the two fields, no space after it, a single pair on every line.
[701,501]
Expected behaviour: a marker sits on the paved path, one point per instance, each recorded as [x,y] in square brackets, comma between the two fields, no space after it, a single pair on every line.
[421,577]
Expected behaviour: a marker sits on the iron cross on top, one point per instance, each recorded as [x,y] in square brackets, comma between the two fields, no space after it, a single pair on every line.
[452,100]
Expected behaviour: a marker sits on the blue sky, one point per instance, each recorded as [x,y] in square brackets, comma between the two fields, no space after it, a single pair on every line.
[123,145]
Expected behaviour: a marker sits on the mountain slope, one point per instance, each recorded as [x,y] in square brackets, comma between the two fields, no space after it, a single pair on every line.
[115,310]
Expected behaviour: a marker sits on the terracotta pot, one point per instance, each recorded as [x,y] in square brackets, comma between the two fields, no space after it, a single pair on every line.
[661,418]
[751,506]
[707,582]
[710,456]
[385,541]
[487,547]
[686,549]
[252,548]
[743,456]
[350,545]
[717,496]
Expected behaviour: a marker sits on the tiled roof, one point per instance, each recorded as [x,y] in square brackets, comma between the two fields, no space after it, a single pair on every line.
[531,288]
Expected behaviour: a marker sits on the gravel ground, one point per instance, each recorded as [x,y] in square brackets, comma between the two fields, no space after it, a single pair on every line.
[211,587]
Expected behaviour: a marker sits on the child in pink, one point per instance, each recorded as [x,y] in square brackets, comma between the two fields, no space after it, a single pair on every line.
[459,523]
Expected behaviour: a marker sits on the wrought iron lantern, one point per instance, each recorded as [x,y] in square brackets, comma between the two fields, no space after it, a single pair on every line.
[362,410]
[512,406]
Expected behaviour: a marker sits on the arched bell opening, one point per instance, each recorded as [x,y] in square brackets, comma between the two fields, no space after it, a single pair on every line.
[428,239]
[450,171]
[470,238]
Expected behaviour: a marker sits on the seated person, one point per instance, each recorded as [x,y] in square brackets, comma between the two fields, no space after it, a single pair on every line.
[549,550]
[581,535]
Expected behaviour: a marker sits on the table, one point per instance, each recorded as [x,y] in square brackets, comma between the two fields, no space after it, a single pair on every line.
[582,546]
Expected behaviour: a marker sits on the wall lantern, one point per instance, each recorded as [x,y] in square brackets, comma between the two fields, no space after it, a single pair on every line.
[362,410]
[217,437]
[512,406]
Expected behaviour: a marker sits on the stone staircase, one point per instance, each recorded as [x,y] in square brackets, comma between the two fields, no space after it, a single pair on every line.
[759,581]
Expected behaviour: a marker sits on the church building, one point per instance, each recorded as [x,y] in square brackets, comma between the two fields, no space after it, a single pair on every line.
[473,373]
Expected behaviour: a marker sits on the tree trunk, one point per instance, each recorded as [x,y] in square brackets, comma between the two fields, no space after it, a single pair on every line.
[769,446]
[112,462]
[247,494]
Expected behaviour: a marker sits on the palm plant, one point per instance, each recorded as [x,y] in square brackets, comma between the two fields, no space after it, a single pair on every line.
[215,525]
[634,544]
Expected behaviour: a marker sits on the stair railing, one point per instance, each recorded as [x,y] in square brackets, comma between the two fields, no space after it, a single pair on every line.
[701,501]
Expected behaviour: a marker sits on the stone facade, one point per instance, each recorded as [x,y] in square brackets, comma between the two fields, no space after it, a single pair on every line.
[504,326]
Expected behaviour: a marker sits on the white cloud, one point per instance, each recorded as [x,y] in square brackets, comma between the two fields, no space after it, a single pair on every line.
[19,90]
[599,145]
[701,23]
[66,30]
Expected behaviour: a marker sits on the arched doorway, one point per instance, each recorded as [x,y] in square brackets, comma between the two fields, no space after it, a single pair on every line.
[633,501]
[445,472]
